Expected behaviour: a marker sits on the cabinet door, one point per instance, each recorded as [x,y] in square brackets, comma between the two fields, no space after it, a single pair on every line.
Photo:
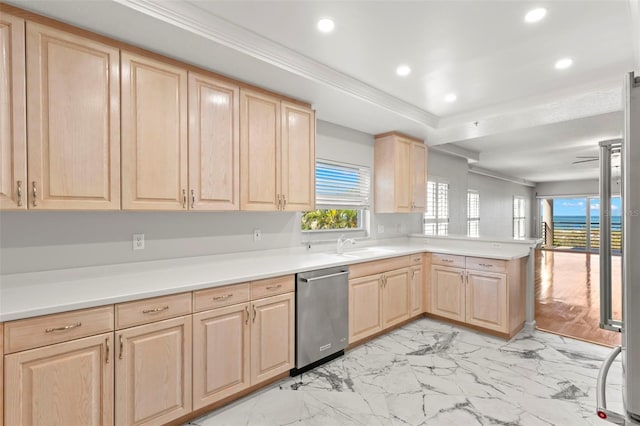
[298,157]
[221,352]
[487,300]
[272,337]
[73,125]
[153,372]
[214,144]
[403,178]
[419,176]
[13,142]
[365,307]
[259,151]
[447,292]
[416,291]
[154,134]
[395,297]
[65,384]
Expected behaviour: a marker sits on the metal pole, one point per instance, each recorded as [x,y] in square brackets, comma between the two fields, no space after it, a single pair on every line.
[606,320]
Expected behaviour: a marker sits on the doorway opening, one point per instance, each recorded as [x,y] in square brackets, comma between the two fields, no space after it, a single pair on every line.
[567,268]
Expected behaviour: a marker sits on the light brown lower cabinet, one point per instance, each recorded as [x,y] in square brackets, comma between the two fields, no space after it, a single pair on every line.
[68,383]
[395,297]
[447,292]
[241,345]
[416,289]
[377,302]
[486,293]
[153,372]
[486,304]
[221,345]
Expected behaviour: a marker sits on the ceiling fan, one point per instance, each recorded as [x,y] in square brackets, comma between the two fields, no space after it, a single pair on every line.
[586,159]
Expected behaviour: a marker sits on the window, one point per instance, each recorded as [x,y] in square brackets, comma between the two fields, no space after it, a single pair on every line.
[342,194]
[473,214]
[436,218]
[518,218]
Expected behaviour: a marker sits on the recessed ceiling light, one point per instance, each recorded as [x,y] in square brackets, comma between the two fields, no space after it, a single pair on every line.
[326,25]
[535,15]
[403,70]
[564,63]
[451,97]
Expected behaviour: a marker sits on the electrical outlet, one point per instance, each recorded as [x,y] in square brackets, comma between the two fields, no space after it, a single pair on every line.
[257,235]
[380,229]
[138,241]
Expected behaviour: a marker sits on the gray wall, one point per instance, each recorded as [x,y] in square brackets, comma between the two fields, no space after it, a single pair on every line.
[35,241]
[496,205]
[454,171]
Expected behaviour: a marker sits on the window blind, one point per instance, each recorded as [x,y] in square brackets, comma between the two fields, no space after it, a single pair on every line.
[518,218]
[473,214]
[342,186]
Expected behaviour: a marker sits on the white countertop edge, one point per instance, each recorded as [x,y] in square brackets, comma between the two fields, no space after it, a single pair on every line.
[80,283]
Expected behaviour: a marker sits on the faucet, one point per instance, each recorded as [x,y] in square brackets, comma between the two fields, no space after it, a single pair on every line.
[342,241]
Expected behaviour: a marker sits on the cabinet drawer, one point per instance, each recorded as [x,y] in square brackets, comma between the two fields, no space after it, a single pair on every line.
[378,266]
[272,286]
[416,259]
[151,310]
[447,260]
[490,265]
[220,296]
[46,330]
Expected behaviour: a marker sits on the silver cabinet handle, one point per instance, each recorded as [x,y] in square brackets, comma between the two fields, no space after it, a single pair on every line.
[225,297]
[278,201]
[184,198]
[309,280]
[486,265]
[65,328]
[254,313]
[273,287]
[121,347]
[284,201]
[193,199]
[19,193]
[246,321]
[156,310]
[35,194]
[106,342]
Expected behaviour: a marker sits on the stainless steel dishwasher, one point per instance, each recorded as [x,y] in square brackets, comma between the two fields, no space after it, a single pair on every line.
[322,316]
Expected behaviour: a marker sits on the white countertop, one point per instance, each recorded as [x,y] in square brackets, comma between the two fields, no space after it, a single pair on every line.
[39,293]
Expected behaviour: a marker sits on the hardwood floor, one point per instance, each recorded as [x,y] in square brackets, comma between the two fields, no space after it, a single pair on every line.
[568,295]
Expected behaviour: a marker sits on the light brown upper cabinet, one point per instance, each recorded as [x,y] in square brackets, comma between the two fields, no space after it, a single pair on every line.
[13,147]
[154,134]
[298,157]
[73,122]
[400,174]
[214,144]
[277,154]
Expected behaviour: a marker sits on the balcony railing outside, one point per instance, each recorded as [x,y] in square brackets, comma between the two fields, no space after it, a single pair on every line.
[573,235]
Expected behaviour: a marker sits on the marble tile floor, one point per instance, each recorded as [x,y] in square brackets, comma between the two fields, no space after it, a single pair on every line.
[432,373]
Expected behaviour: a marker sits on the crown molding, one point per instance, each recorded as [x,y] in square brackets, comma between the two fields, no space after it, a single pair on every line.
[189,17]
[490,173]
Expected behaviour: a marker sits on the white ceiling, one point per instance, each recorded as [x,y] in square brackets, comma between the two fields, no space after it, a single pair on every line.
[532,119]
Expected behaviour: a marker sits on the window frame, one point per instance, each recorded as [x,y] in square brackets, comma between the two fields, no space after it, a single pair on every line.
[439,222]
[519,222]
[363,216]
[473,218]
